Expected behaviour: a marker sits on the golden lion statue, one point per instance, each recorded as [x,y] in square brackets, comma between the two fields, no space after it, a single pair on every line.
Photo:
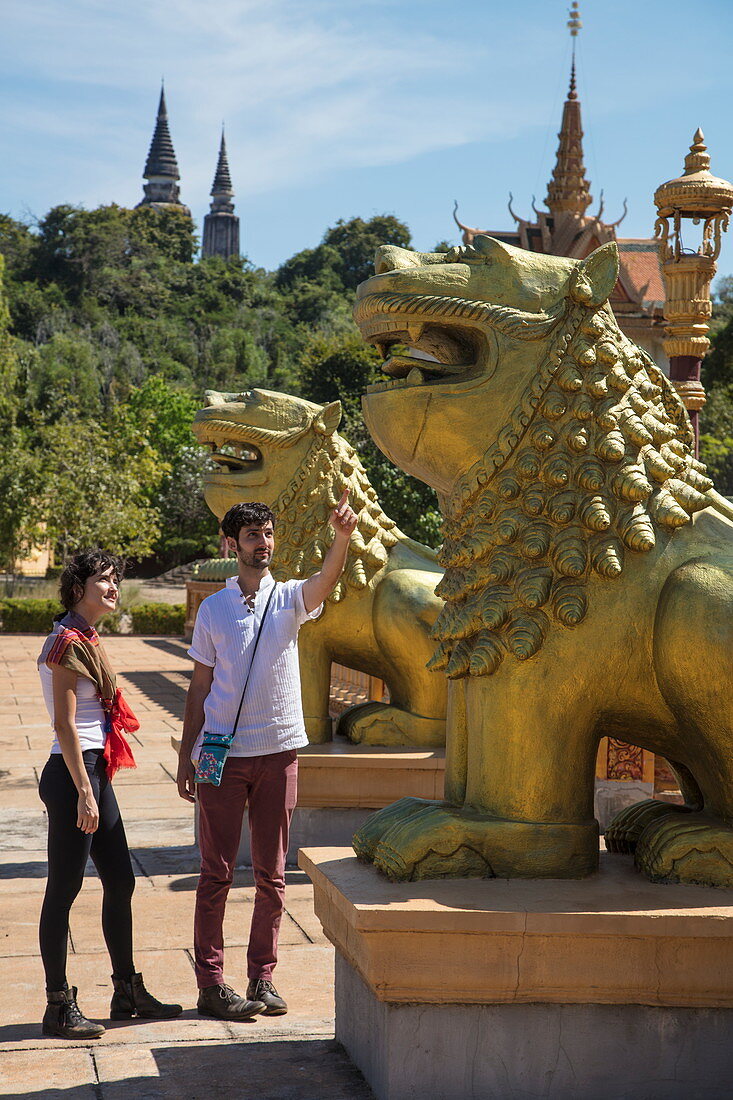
[287,452]
[589,568]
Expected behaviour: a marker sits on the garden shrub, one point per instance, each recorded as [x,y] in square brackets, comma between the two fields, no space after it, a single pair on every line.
[20,615]
[158,618]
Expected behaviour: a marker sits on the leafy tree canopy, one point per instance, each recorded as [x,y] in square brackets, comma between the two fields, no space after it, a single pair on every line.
[111,334]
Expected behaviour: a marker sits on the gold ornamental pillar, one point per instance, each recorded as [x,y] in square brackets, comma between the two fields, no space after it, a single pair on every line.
[694,197]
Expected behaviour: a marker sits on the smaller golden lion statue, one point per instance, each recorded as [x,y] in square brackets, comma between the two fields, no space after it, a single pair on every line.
[589,568]
[287,452]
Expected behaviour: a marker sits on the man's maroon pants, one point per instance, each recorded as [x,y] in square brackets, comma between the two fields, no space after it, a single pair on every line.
[268,786]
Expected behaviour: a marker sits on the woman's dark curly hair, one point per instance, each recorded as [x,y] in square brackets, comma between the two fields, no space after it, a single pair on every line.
[82,566]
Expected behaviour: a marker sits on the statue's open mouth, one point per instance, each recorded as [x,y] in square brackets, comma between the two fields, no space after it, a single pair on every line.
[231,454]
[233,457]
[445,351]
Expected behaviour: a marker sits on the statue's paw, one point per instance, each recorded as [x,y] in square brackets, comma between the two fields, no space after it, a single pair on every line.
[370,835]
[623,834]
[692,849]
[438,842]
[383,724]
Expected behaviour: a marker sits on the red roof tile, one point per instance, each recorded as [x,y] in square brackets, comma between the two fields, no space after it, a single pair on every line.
[640,270]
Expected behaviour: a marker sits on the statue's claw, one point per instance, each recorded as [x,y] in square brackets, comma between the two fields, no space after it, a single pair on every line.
[623,834]
[690,849]
[437,841]
[384,724]
[369,836]
[391,863]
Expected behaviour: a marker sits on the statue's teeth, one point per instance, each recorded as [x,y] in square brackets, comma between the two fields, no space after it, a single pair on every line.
[415,331]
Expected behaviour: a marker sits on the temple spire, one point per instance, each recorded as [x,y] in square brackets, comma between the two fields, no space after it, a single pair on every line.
[161,156]
[222,184]
[221,224]
[161,167]
[568,190]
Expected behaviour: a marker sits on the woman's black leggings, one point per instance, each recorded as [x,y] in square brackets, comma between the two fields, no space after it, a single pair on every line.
[68,851]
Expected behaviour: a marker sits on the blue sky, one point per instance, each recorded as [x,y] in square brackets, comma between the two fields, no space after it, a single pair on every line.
[335,108]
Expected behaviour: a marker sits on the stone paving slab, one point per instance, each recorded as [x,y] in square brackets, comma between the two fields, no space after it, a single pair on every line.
[293,1057]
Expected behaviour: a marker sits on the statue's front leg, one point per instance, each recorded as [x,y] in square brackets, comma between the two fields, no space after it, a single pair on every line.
[315,686]
[527,810]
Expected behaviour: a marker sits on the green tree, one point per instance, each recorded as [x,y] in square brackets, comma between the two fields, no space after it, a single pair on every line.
[163,416]
[21,510]
[98,479]
[716,417]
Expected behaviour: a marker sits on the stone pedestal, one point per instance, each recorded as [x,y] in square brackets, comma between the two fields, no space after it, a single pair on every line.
[601,988]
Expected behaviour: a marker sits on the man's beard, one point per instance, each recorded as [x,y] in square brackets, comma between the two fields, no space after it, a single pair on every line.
[256,560]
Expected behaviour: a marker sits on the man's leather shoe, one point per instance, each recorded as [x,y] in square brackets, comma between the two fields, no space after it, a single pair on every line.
[221,1002]
[261,990]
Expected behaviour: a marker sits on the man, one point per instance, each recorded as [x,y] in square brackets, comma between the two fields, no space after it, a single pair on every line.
[261,767]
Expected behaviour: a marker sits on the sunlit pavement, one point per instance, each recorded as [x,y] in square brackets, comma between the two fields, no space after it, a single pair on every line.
[282,1058]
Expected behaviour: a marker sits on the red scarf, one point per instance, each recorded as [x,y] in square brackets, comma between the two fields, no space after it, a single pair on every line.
[119,717]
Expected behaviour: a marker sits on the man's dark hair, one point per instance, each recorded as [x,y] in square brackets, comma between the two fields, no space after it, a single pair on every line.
[252,514]
[82,566]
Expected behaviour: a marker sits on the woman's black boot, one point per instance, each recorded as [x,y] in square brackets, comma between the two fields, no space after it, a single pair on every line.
[131,998]
[63,1018]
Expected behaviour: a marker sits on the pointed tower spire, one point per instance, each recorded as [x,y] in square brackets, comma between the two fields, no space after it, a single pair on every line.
[221,224]
[222,184]
[568,190]
[161,167]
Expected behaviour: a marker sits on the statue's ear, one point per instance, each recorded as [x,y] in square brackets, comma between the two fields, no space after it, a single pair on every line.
[329,419]
[595,277]
[489,246]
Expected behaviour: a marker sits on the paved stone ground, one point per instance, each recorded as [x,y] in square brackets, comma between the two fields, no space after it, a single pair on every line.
[294,1057]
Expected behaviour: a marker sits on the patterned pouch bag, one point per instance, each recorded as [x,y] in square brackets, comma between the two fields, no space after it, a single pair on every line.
[215,746]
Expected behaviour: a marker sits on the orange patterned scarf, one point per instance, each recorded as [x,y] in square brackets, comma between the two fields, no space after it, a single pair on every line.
[75,645]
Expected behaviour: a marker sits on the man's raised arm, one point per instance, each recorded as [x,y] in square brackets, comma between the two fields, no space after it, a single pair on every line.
[320,586]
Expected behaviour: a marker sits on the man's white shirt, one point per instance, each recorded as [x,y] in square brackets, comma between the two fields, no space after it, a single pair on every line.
[271,719]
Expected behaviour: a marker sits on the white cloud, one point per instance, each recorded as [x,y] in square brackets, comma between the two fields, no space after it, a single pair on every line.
[305,88]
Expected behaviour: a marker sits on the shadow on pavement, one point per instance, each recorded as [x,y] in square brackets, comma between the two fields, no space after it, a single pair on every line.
[177,648]
[161,690]
[295,1069]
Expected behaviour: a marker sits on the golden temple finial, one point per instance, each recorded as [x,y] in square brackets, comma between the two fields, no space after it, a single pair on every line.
[568,191]
[574,23]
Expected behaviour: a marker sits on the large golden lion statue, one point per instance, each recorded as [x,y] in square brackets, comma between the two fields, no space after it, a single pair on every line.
[589,568]
[287,452]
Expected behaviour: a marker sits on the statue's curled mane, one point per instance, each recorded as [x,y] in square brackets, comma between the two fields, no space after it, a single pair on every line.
[330,466]
[598,457]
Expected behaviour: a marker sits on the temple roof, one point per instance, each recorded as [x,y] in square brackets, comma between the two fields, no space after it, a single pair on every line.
[222,184]
[565,229]
[568,191]
[639,264]
[161,157]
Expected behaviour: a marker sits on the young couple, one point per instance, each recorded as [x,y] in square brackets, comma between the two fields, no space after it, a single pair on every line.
[252,617]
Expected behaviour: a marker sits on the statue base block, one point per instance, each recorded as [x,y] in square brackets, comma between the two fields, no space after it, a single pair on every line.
[480,988]
[340,785]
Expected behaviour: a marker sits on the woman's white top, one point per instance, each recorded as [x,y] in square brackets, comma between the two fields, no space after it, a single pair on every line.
[89,719]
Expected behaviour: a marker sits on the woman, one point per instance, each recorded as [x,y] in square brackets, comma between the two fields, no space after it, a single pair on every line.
[88,716]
